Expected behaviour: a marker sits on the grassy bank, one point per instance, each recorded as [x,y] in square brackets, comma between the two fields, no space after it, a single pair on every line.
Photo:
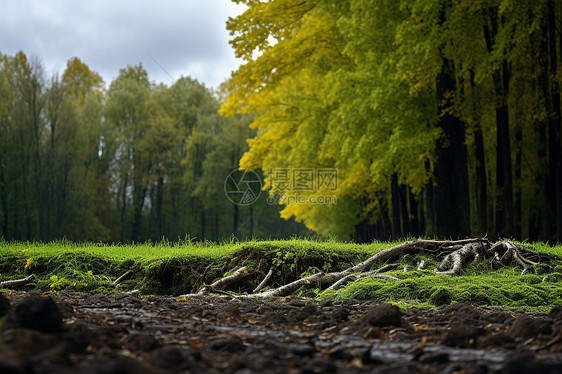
[173,269]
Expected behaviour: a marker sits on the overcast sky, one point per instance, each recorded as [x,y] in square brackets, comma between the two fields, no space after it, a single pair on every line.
[185,37]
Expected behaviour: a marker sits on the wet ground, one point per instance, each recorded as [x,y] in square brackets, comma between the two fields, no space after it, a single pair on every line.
[68,333]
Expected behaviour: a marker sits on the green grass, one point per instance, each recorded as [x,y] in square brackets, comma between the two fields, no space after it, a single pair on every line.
[173,269]
[503,288]
[479,285]
[166,267]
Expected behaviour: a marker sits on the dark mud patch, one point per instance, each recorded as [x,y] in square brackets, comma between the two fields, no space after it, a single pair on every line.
[68,333]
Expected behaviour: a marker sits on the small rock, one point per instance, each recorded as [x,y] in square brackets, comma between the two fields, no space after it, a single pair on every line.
[340,314]
[526,327]
[383,315]
[556,313]
[466,316]
[301,314]
[456,307]
[463,336]
[276,317]
[36,313]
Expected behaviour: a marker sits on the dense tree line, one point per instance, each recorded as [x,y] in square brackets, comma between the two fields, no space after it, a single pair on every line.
[442,117]
[131,162]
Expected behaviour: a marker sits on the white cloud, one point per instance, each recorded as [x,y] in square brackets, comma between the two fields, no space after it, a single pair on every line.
[185,37]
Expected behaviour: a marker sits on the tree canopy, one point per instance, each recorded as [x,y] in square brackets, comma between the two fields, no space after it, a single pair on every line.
[441,117]
[131,161]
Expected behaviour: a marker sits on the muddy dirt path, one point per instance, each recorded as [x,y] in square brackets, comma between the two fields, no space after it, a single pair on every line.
[70,333]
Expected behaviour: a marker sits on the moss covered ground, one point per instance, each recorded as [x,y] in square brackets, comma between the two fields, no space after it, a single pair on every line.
[177,268]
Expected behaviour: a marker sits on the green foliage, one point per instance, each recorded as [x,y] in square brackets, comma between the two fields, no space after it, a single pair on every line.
[440,296]
[56,282]
[503,288]
[168,268]
[359,86]
[137,161]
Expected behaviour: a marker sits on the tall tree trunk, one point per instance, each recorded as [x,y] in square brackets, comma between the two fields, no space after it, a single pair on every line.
[414,215]
[217,233]
[452,201]
[235,218]
[554,175]
[406,228]
[518,184]
[251,221]
[137,220]
[540,213]
[395,200]
[4,197]
[430,210]
[385,222]
[365,232]
[504,179]
[124,204]
[159,203]
[202,223]
[481,183]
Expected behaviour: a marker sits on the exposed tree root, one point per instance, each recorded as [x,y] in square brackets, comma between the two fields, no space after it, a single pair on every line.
[456,255]
[264,281]
[220,285]
[123,277]
[17,282]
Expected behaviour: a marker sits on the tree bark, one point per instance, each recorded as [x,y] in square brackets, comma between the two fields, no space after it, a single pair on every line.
[554,175]
[414,214]
[481,183]
[451,192]
[159,203]
[3,197]
[504,178]
[406,227]
[518,184]
[395,197]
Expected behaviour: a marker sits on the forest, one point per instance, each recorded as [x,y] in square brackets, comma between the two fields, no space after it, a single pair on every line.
[441,118]
[134,161]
